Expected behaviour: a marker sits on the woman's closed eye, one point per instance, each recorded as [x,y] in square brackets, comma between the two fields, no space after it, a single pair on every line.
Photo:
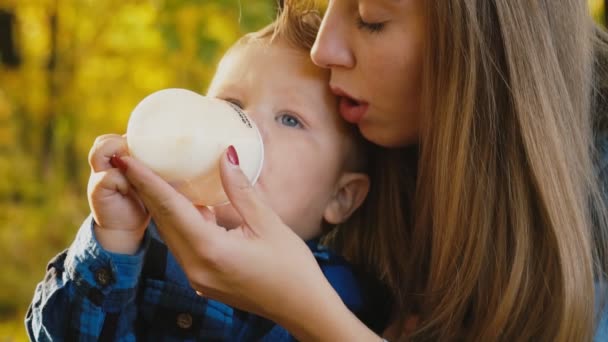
[369,26]
[289,120]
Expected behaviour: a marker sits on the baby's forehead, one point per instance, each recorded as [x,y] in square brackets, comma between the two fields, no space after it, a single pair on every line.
[275,60]
[255,61]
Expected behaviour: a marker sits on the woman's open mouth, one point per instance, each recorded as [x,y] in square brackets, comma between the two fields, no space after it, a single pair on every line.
[351,109]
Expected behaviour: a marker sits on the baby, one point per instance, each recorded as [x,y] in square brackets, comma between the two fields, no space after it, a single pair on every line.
[118,281]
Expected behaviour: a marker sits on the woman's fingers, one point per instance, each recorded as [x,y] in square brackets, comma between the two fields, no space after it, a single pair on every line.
[245,199]
[174,213]
[207,214]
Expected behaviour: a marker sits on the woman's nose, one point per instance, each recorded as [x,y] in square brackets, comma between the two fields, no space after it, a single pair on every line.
[331,48]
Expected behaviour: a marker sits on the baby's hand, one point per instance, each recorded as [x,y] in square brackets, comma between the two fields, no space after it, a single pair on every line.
[120,217]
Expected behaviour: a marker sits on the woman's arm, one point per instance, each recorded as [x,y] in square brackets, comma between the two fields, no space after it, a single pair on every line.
[331,321]
[261,267]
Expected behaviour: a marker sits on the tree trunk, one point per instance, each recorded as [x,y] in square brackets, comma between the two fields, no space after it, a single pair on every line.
[8,51]
[50,118]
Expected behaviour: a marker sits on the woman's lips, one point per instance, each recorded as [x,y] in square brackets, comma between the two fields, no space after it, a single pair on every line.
[351,109]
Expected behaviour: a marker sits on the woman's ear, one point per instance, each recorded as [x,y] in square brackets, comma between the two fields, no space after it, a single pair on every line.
[350,193]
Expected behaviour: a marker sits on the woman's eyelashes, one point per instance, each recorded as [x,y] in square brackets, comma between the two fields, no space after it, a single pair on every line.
[369,26]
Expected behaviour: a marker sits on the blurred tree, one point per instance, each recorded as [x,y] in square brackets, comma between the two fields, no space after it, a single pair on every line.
[597,10]
[8,53]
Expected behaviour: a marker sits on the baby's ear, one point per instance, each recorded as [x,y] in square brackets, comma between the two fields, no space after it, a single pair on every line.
[350,193]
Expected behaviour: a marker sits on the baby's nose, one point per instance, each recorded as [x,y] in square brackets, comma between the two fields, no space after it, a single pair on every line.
[257,116]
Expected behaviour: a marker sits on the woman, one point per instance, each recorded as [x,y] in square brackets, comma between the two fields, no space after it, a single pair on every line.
[497,230]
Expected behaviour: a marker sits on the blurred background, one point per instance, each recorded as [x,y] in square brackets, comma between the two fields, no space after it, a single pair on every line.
[71,70]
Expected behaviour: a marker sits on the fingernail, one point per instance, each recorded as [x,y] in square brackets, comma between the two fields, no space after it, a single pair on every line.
[233,157]
[118,163]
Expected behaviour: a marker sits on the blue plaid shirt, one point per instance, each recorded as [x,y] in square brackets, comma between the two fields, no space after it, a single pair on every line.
[89,294]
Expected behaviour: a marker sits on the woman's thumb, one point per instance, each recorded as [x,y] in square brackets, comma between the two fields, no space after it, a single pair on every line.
[243,196]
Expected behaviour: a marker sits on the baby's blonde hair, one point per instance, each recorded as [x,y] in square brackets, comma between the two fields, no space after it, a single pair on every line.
[297,29]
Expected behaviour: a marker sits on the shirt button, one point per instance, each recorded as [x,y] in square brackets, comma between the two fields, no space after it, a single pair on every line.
[103,276]
[184,320]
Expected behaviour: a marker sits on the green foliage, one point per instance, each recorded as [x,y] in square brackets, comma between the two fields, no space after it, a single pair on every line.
[597,10]
[78,79]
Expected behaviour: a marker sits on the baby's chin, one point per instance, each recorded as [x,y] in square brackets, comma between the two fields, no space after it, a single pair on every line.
[227,217]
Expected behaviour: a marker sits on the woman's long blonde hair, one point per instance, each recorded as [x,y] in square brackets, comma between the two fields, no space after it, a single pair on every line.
[494,227]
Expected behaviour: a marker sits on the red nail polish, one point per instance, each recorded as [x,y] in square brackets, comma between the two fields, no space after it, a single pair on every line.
[233,157]
[118,163]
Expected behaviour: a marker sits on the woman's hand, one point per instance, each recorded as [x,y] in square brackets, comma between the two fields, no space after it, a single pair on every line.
[261,266]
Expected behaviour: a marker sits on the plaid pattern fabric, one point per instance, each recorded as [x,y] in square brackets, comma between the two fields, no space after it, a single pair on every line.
[89,294]
[601,144]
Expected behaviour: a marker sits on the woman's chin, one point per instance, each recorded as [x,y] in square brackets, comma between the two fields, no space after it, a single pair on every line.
[385,136]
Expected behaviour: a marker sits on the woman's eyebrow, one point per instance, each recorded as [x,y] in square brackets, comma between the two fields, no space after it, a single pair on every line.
[380,5]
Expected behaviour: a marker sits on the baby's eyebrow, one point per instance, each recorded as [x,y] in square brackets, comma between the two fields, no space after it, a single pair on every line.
[225,91]
[313,111]
[299,103]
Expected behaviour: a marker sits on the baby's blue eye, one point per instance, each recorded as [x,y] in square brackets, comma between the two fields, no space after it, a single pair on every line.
[289,120]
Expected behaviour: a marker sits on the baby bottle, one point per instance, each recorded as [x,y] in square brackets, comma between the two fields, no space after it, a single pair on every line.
[182,135]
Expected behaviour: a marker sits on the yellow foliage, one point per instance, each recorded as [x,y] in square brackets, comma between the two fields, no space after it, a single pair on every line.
[597,9]
[78,80]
